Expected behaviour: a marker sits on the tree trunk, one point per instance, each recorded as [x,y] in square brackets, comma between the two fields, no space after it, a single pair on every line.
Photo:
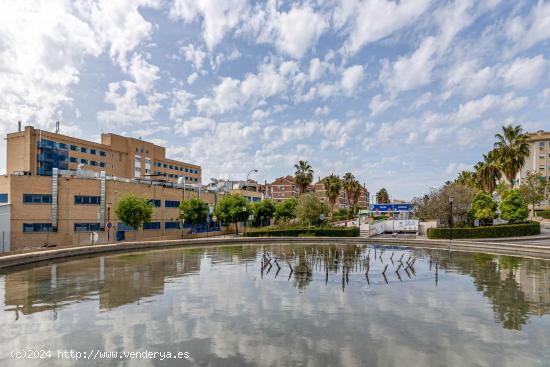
[237,228]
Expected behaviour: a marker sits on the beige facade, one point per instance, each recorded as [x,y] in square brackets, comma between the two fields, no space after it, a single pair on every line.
[36,218]
[538,160]
[36,152]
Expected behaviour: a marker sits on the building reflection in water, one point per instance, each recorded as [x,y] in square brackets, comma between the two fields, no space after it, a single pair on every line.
[516,287]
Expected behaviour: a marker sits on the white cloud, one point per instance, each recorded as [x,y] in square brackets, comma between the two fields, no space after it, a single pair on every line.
[524,72]
[368,21]
[410,72]
[293,32]
[453,168]
[476,108]
[181,100]
[126,95]
[424,99]
[351,78]
[193,54]
[232,93]
[469,78]
[218,16]
[194,125]
[192,77]
[322,111]
[378,105]
[526,31]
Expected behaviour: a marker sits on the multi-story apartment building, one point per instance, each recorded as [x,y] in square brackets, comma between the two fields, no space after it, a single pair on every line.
[283,188]
[538,160]
[36,152]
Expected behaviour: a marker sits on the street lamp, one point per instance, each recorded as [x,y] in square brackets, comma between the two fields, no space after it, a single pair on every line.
[451,217]
[251,171]
[245,221]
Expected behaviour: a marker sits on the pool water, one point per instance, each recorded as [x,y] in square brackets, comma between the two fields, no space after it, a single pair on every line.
[271,305]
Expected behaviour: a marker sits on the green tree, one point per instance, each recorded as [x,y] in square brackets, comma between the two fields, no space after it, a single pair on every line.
[262,211]
[512,206]
[487,172]
[356,190]
[134,211]
[309,209]
[347,184]
[286,210]
[232,208]
[511,149]
[194,211]
[532,189]
[303,175]
[382,196]
[484,208]
[333,186]
[466,178]
[435,204]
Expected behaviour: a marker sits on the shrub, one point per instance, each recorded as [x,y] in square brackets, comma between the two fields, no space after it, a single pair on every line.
[286,210]
[505,230]
[544,214]
[484,208]
[305,232]
[512,207]
[309,208]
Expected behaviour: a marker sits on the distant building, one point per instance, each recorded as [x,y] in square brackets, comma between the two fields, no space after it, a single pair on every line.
[59,189]
[36,152]
[538,160]
[283,188]
[250,189]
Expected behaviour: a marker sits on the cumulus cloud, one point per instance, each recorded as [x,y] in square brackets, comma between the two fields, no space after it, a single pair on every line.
[351,78]
[524,72]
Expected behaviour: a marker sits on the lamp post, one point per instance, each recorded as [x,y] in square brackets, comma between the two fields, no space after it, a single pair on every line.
[451,217]
[251,171]
[245,222]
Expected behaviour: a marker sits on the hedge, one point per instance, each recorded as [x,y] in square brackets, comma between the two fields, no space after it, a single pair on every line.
[505,230]
[305,232]
[544,214]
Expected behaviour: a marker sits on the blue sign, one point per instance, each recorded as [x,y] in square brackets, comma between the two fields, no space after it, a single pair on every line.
[391,207]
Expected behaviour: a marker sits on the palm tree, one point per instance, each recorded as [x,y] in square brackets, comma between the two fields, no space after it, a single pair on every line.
[347,183]
[303,175]
[333,186]
[382,196]
[488,172]
[511,149]
[355,193]
[466,178]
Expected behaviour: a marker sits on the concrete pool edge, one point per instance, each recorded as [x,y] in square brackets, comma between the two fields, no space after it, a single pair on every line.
[526,250]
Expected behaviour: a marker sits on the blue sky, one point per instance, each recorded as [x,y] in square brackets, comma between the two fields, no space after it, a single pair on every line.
[404,94]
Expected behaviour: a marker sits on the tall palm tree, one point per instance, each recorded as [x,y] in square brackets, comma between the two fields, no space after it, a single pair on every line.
[511,149]
[488,172]
[347,184]
[356,193]
[303,175]
[333,186]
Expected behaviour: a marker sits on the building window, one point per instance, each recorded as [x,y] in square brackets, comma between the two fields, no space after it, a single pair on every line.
[171,204]
[102,153]
[37,227]
[83,161]
[74,147]
[93,151]
[3,198]
[62,145]
[87,200]
[86,227]
[124,227]
[151,225]
[138,160]
[155,202]
[186,169]
[93,163]
[164,165]
[37,199]
[171,225]
[83,150]
[101,164]
[138,169]
[73,160]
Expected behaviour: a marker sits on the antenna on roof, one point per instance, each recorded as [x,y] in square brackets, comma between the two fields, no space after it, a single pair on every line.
[57,127]
[19,125]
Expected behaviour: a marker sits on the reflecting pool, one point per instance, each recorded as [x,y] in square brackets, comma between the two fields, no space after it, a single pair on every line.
[271,305]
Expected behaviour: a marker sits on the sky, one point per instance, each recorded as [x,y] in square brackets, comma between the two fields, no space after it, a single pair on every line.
[404,94]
